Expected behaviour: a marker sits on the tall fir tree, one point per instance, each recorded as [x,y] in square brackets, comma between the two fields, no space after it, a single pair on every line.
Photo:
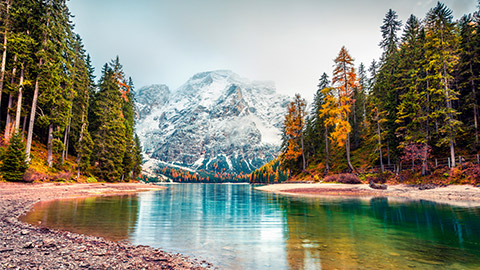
[441,55]
[109,135]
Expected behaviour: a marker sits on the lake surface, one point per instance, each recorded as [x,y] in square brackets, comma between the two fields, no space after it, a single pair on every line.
[236,227]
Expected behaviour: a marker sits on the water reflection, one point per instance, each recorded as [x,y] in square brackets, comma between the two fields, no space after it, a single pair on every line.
[228,225]
[236,227]
[111,217]
[379,234]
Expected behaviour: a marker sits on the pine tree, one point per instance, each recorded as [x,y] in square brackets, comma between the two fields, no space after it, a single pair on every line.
[51,79]
[391,25]
[109,135]
[137,166]
[441,53]
[6,28]
[412,116]
[345,81]
[385,89]
[14,163]
[469,73]
[314,126]
[83,82]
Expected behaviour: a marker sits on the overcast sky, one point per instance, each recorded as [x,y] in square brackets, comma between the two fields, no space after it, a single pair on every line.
[290,42]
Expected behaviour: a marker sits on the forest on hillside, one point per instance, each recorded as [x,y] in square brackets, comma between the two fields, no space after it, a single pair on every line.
[412,114]
[49,99]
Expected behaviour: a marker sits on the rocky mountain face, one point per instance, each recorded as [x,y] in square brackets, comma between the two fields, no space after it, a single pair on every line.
[216,121]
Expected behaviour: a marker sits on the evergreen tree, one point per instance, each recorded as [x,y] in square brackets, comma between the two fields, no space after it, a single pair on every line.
[469,74]
[391,25]
[412,116]
[83,83]
[385,90]
[137,166]
[14,163]
[441,53]
[314,126]
[109,137]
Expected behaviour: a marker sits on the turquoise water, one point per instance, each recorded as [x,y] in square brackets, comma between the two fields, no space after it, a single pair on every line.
[236,227]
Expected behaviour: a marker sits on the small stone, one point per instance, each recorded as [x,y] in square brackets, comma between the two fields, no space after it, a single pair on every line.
[28,245]
[24,232]
[11,220]
[48,243]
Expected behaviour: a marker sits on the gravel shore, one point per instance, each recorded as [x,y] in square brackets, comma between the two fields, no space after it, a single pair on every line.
[23,246]
[468,196]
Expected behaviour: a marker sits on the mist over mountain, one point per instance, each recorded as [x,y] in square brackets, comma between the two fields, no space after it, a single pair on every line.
[216,121]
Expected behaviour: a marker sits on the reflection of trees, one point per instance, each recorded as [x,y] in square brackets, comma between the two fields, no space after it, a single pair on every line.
[354,233]
[110,217]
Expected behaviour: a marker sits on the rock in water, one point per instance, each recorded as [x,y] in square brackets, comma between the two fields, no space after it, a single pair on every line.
[216,121]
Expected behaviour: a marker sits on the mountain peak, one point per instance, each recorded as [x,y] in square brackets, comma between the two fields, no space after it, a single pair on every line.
[215,117]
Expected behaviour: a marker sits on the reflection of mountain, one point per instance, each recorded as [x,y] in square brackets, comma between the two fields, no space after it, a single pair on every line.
[227,225]
[111,217]
[376,234]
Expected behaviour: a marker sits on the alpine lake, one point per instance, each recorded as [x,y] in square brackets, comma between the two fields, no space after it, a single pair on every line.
[234,226]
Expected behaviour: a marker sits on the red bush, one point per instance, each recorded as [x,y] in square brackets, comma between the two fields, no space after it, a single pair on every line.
[32,176]
[344,178]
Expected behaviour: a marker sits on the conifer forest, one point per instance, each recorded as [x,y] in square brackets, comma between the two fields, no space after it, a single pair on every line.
[412,113]
[50,96]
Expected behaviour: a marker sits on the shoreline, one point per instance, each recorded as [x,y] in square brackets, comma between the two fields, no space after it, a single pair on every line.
[457,195]
[24,246]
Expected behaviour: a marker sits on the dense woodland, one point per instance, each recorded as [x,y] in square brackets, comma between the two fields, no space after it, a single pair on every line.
[48,95]
[415,110]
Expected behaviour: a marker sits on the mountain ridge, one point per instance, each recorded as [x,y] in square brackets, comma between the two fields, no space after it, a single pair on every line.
[217,121]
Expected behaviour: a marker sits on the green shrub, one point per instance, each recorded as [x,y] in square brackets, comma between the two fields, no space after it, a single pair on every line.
[91,180]
[14,163]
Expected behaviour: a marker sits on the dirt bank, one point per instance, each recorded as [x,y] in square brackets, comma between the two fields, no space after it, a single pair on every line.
[457,195]
[23,246]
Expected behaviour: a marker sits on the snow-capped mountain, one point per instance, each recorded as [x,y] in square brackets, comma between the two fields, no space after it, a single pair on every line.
[215,121]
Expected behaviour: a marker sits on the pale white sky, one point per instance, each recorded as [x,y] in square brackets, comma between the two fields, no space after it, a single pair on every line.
[290,42]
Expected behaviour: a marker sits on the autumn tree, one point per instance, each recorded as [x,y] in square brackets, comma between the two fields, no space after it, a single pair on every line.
[344,80]
[293,127]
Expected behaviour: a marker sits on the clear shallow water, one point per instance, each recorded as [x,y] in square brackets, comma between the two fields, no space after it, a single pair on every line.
[236,227]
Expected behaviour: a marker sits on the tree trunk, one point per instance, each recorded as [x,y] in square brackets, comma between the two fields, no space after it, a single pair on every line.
[18,114]
[379,133]
[32,120]
[10,100]
[303,152]
[65,139]
[80,140]
[24,125]
[449,104]
[424,160]
[347,146]
[8,122]
[365,113]
[4,54]
[50,146]
[388,153]
[475,106]
[327,153]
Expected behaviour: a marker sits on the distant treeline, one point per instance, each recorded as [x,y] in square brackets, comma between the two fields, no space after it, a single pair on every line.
[48,92]
[184,176]
[271,172]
